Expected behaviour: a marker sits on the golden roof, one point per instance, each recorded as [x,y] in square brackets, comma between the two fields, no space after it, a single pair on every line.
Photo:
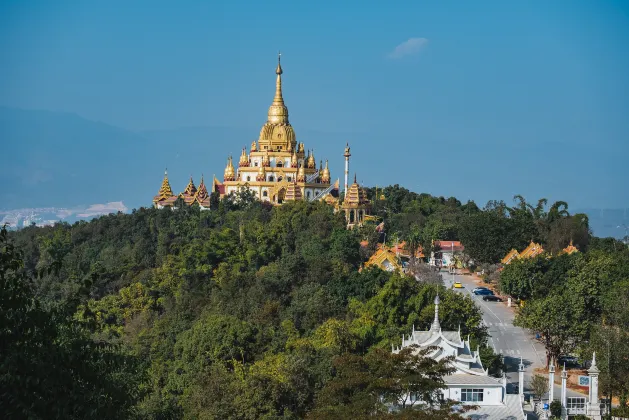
[202,196]
[533,250]
[325,174]
[385,259]
[293,160]
[261,174]
[311,161]
[190,192]
[230,172]
[164,191]
[510,256]
[570,249]
[356,196]
[254,146]
[301,174]
[244,160]
[293,192]
[266,161]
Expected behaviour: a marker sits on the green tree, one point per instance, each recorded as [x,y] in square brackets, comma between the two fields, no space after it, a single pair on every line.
[50,368]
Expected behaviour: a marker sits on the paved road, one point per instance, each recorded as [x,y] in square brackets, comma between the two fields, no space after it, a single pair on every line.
[506,339]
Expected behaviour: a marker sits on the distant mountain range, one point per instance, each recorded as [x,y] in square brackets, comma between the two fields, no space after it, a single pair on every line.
[66,163]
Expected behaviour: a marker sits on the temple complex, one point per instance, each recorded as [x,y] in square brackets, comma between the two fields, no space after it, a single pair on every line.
[277,169]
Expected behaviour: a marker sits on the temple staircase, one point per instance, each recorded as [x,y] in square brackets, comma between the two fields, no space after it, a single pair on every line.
[322,193]
[311,178]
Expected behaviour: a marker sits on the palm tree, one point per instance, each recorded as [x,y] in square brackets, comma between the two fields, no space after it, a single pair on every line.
[558,210]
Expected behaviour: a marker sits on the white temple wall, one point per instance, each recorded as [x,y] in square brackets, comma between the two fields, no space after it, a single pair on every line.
[492,395]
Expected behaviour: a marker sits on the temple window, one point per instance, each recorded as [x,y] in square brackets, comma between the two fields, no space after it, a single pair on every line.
[308,194]
[279,178]
[265,193]
[255,163]
[248,178]
[471,394]
[271,179]
[280,164]
[289,179]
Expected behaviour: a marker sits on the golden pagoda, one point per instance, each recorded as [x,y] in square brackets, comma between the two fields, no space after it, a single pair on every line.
[276,163]
[189,193]
[202,197]
[165,196]
[570,249]
[276,168]
[355,205]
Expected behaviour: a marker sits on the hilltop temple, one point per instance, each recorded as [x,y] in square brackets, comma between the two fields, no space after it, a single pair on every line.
[277,168]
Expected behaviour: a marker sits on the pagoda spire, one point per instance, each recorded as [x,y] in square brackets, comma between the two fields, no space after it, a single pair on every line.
[278,113]
[165,191]
[436,327]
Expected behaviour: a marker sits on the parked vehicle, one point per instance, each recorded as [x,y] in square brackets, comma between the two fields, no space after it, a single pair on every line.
[568,359]
[457,284]
[492,298]
[484,292]
[479,288]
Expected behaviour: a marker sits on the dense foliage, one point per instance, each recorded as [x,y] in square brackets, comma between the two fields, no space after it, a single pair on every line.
[578,304]
[487,234]
[247,311]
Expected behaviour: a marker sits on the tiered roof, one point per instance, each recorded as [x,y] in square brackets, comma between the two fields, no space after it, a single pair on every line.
[533,250]
[189,193]
[449,343]
[356,197]
[385,259]
[202,197]
[165,195]
[570,249]
[510,256]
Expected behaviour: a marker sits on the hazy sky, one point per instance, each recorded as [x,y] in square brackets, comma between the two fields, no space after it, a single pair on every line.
[477,99]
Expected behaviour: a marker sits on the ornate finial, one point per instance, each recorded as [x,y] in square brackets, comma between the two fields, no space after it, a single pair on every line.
[435,327]
[278,113]
[278,70]
[354,177]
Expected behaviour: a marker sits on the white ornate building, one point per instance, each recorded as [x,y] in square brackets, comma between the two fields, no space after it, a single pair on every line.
[470,383]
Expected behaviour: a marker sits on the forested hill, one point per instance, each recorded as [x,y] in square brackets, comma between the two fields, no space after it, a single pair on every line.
[246,311]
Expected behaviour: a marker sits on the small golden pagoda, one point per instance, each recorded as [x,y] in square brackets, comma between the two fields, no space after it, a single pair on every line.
[355,205]
[165,196]
[202,197]
[189,193]
[570,249]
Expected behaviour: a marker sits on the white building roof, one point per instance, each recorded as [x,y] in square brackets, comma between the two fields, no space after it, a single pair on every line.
[462,379]
[510,410]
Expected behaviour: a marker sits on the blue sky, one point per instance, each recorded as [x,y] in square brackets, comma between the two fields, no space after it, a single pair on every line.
[479,100]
